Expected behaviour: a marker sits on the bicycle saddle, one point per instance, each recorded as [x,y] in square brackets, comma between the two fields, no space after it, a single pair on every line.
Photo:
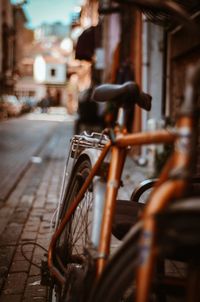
[123,94]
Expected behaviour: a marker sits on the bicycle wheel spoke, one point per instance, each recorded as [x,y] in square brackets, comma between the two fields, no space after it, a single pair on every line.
[80,210]
[80,234]
[84,220]
[80,230]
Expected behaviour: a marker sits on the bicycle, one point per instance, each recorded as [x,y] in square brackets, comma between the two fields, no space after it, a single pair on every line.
[78,256]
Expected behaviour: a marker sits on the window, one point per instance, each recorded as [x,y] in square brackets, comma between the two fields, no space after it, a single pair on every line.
[53,72]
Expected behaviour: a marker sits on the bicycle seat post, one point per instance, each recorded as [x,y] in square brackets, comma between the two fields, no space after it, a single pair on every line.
[121,121]
[121,117]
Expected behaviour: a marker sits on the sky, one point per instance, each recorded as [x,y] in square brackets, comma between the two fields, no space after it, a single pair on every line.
[39,11]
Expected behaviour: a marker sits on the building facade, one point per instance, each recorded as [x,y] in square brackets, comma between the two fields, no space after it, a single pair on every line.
[50,76]
[12,42]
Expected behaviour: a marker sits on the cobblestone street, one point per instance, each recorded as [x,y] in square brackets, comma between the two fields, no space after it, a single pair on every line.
[25,216]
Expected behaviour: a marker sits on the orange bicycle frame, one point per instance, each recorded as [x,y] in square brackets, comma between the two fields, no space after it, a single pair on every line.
[118,151]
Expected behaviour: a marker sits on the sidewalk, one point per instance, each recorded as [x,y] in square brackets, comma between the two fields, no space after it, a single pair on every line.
[26,217]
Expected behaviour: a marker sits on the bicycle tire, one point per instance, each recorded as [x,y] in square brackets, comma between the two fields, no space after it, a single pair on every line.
[76,235]
[115,278]
[119,273]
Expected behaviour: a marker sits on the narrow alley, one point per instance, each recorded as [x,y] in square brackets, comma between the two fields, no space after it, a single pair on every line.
[33,157]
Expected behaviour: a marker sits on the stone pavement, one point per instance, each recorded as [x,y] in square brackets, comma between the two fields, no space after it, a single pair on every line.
[19,140]
[26,217]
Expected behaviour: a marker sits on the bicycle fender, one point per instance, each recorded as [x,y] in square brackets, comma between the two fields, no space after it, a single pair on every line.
[93,155]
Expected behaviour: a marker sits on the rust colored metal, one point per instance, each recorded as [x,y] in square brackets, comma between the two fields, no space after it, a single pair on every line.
[114,176]
[161,197]
[153,137]
[165,172]
[183,147]
[164,193]
[70,212]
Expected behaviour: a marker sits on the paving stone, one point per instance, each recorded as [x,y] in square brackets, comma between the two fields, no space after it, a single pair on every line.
[3,275]
[39,202]
[43,187]
[28,236]
[38,255]
[14,198]
[47,217]
[11,234]
[50,206]
[5,215]
[44,242]
[34,291]
[35,299]
[19,266]
[27,247]
[37,259]
[44,227]
[26,201]
[20,215]
[34,271]
[3,224]
[33,219]
[31,227]
[15,283]
[3,271]
[44,236]
[12,201]
[6,255]
[29,216]
[6,212]
[10,298]
[19,257]
[37,213]
[41,193]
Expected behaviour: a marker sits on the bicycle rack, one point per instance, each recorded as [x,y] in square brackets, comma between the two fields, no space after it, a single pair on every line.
[84,141]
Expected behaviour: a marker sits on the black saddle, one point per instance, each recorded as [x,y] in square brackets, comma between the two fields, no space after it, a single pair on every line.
[124,94]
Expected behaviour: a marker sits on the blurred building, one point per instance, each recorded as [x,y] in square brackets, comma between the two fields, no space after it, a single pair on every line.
[56,29]
[50,75]
[7,45]
[79,70]
[43,66]
[149,48]
[1,40]
[13,39]
[145,47]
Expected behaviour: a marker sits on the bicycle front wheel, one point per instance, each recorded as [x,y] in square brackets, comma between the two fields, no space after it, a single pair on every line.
[73,243]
